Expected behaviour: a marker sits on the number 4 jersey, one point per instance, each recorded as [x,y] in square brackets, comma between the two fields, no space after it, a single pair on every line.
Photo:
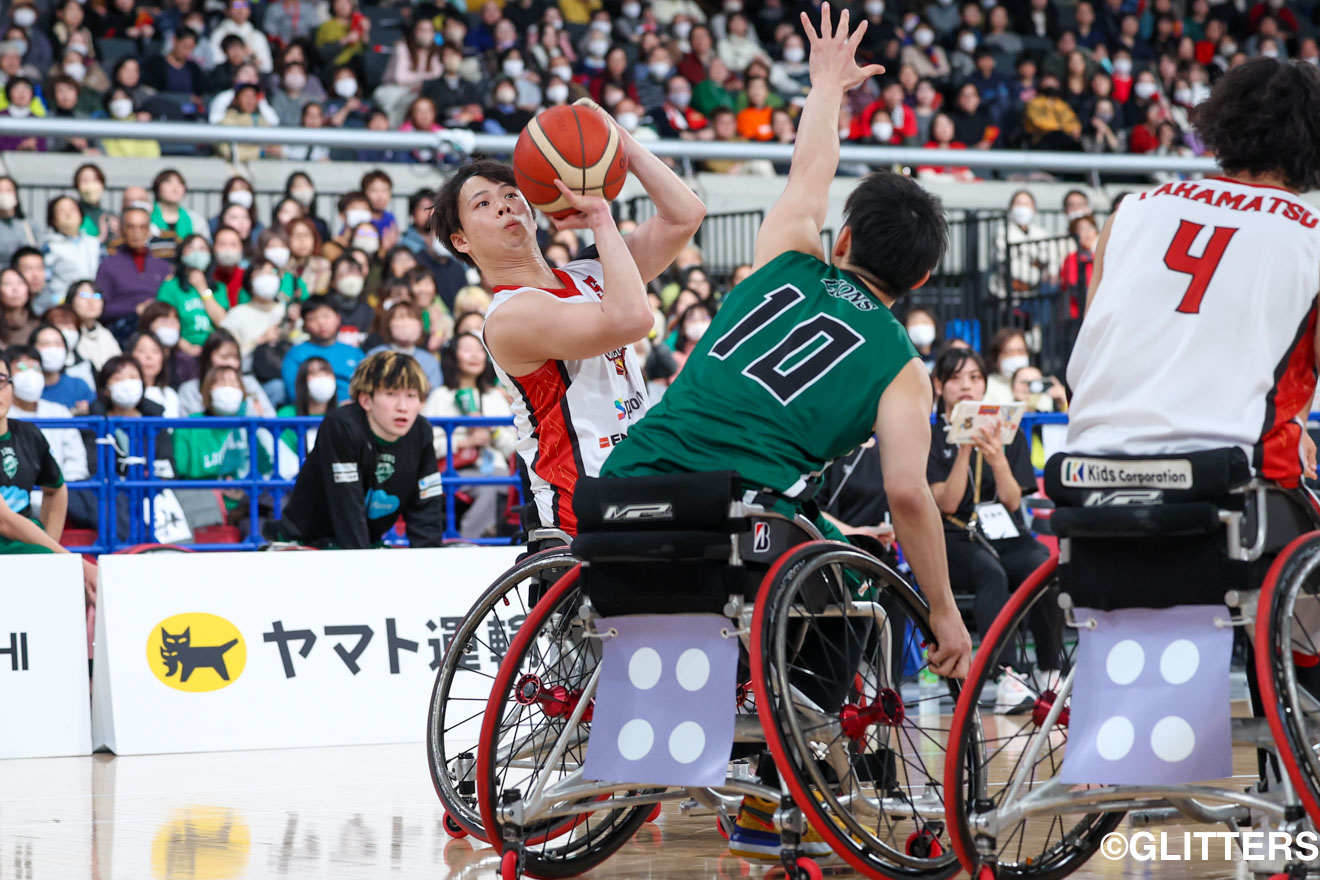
[788,376]
[1201,334]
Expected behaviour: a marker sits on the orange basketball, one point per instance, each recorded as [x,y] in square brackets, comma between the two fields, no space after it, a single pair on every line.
[575,145]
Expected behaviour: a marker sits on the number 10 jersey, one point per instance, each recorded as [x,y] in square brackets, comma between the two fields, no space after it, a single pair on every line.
[1201,334]
[787,377]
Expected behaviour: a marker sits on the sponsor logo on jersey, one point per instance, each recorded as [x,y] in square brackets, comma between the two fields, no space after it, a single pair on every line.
[344,471]
[429,487]
[9,461]
[761,538]
[611,441]
[625,408]
[840,289]
[196,652]
[633,512]
[384,467]
[1100,473]
[1125,498]
[620,365]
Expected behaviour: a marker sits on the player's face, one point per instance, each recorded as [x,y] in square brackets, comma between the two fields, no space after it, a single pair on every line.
[391,413]
[497,221]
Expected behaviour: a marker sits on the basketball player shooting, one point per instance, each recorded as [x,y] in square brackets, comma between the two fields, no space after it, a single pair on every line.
[561,339]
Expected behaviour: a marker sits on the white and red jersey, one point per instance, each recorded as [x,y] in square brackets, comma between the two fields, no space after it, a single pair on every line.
[570,414]
[1202,332]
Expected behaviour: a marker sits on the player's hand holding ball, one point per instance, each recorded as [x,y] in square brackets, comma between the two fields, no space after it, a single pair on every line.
[577,146]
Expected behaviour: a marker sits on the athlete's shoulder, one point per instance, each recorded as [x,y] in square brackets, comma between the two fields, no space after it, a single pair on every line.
[585,273]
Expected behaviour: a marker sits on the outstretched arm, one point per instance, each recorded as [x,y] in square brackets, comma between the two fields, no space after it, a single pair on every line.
[795,221]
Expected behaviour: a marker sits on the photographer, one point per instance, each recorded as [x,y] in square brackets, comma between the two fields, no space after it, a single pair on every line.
[978,487]
[1040,395]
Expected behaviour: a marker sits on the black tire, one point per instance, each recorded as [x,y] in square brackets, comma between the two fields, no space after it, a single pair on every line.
[484,627]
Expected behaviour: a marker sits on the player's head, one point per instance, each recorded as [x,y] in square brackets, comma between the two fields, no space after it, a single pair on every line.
[959,375]
[481,216]
[893,233]
[390,386]
[1263,117]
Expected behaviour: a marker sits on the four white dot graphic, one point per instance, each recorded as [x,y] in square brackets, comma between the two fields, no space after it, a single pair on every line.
[1172,739]
[688,740]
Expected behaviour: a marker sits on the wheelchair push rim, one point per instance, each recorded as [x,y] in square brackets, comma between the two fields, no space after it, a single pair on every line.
[462,809]
[1072,845]
[872,728]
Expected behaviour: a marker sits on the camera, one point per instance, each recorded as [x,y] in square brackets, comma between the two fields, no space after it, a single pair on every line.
[1036,386]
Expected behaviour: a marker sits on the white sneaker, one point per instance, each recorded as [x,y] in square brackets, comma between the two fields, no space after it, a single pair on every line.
[1012,697]
[1047,680]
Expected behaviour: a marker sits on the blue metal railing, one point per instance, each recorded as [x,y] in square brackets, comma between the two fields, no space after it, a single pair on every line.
[125,469]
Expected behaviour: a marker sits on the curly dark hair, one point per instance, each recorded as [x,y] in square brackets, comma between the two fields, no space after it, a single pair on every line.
[1263,117]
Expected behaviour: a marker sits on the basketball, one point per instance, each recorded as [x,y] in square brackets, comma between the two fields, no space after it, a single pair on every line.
[573,144]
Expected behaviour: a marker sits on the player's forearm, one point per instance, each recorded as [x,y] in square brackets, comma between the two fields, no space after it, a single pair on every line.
[624,302]
[54,511]
[675,202]
[17,527]
[816,152]
[919,530]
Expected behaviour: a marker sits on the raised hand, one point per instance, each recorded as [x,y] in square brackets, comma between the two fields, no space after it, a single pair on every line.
[834,51]
[591,211]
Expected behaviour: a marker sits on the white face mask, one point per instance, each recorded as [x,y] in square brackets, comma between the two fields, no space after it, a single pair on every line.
[303,196]
[121,108]
[513,67]
[351,286]
[168,336]
[322,388]
[680,99]
[25,16]
[8,201]
[924,37]
[1010,365]
[1123,66]
[70,337]
[346,87]
[294,81]
[557,93]
[921,335]
[355,217]
[28,385]
[227,258]
[967,42]
[1183,96]
[277,255]
[598,48]
[564,73]
[629,121]
[505,97]
[882,131]
[240,197]
[681,29]
[1269,53]
[658,69]
[1144,90]
[1022,215]
[875,8]
[76,70]
[52,359]
[632,10]
[266,287]
[794,54]
[694,332]
[198,260]
[126,393]
[226,400]
[365,243]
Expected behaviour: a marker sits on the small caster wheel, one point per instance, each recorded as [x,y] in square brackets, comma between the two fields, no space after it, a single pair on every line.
[808,870]
[654,814]
[509,866]
[453,829]
[923,844]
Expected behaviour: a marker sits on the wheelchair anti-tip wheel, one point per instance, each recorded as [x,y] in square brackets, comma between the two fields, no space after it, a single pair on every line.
[1288,663]
[980,763]
[462,684]
[535,694]
[864,764]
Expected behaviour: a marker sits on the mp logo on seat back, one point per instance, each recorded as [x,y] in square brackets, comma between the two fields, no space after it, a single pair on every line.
[635,512]
[1125,498]
[1106,473]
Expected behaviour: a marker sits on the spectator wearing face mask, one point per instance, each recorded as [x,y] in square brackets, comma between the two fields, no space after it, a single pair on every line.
[676,118]
[928,58]
[346,294]
[504,116]
[1006,354]
[321,322]
[289,100]
[222,350]
[260,320]
[403,331]
[354,212]
[53,353]
[1024,266]
[791,75]
[189,292]
[692,325]
[29,384]
[238,21]
[347,107]
[317,395]
[451,89]
[923,332]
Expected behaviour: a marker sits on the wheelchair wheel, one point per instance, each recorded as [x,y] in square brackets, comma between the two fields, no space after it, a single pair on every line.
[1288,663]
[1038,847]
[863,763]
[551,655]
[462,685]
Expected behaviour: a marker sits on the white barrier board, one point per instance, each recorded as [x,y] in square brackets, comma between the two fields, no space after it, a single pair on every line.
[43,657]
[216,651]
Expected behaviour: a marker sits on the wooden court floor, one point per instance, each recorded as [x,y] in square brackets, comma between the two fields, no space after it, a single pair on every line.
[363,812]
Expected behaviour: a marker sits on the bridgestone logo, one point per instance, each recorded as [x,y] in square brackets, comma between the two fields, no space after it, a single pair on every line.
[1100,473]
[617,512]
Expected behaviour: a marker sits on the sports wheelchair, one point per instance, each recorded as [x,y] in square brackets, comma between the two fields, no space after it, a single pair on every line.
[820,626]
[1224,540]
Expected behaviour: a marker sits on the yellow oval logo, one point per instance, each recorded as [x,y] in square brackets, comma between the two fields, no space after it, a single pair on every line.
[201,843]
[196,652]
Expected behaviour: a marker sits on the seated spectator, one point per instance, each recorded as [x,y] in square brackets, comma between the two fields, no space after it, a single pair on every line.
[29,385]
[95,343]
[120,394]
[1006,354]
[1048,121]
[379,190]
[437,323]
[415,61]
[942,138]
[292,96]
[222,350]
[972,125]
[923,331]
[244,111]
[15,232]
[1075,273]
[979,488]
[20,104]
[1144,137]
[170,219]
[237,21]
[89,181]
[65,320]
[130,277]
[273,248]
[1024,266]
[1040,395]
[346,287]
[222,453]
[504,116]
[18,319]
[343,37]
[317,390]
[692,324]
[189,292]
[175,70]
[925,56]
[228,256]
[452,89]
[403,332]
[299,187]
[290,20]
[675,118]
[373,462]
[305,261]
[313,116]
[321,321]
[754,119]
[121,107]
[52,351]
[69,253]
[469,390]
[348,107]
[791,75]
[739,46]
[261,320]
[162,321]
[150,357]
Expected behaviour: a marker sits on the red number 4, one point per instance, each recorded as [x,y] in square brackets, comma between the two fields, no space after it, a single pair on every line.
[1202,269]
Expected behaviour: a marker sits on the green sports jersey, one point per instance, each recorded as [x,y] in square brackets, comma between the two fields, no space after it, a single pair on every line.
[786,378]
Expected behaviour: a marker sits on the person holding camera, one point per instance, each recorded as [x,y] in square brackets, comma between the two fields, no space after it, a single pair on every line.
[978,487]
[1040,394]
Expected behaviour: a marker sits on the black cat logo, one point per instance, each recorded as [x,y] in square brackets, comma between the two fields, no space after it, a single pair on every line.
[196,652]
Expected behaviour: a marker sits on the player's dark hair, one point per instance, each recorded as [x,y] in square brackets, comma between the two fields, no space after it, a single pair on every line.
[898,231]
[947,365]
[1263,117]
[444,216]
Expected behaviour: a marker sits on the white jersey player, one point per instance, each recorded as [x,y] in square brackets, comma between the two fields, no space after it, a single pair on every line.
[562,340]
[1200,328]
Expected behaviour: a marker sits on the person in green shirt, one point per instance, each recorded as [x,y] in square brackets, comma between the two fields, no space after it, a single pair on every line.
[189,291]
[171,221]
[89,181]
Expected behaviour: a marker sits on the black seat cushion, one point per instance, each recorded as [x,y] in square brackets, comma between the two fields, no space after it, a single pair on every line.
[664,502]
[1187,518]
[666,546]
[1073,480]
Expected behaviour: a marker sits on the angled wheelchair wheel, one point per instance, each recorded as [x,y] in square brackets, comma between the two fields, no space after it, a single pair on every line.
[540,684]
[1288,663]
[982,763]
[861,753]
[462,684]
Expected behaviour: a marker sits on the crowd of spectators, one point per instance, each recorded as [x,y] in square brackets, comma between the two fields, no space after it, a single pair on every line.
[1106,76]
